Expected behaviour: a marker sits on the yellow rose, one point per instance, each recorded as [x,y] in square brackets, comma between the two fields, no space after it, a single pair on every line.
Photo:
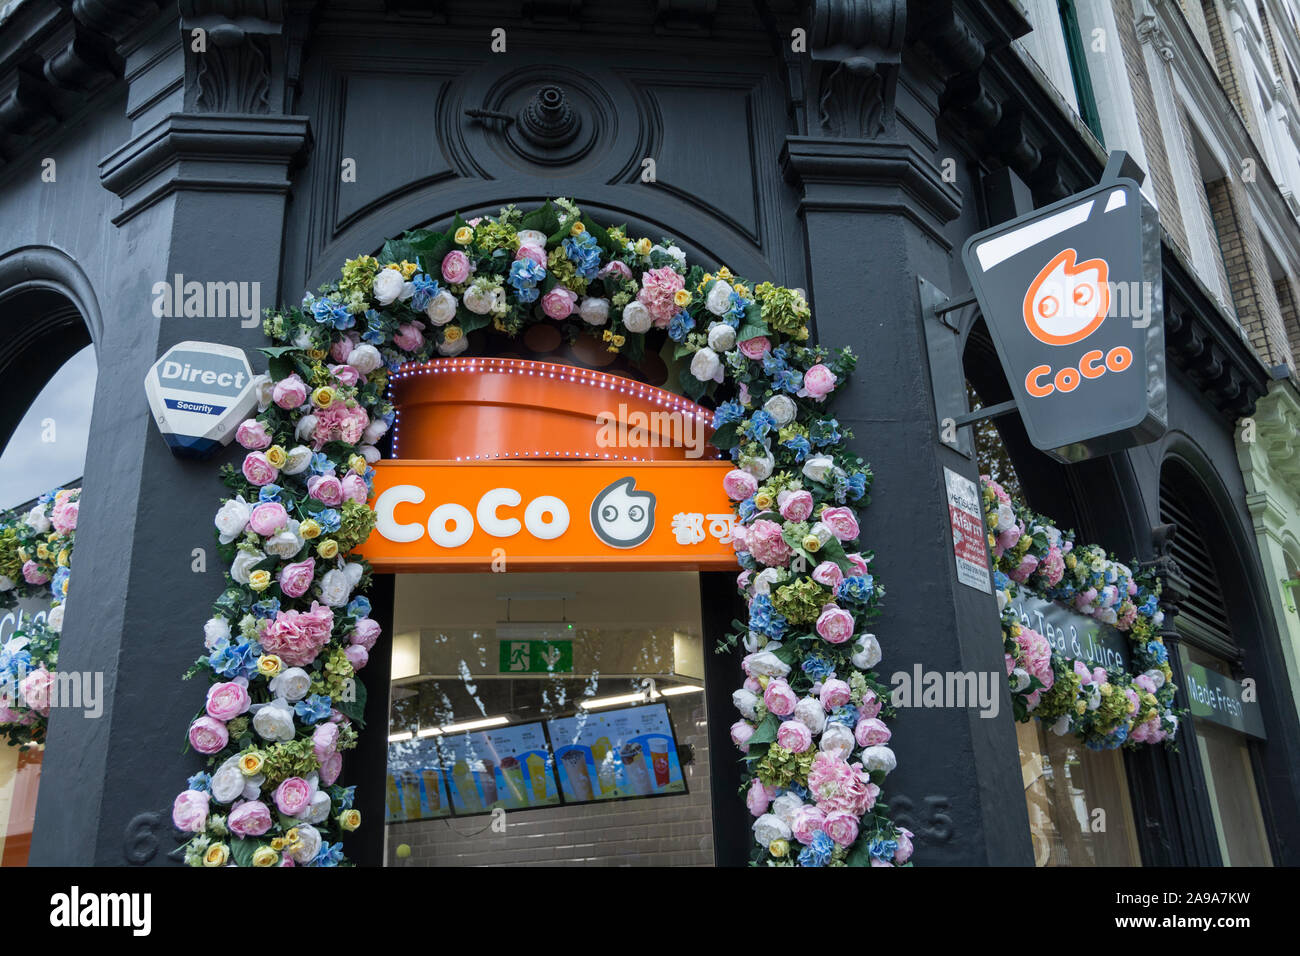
[358,464]
[643,247]
[619,340]
[408,269]
[724,273]
[265,856]
[309,529]
[63,558]
[350,819]
[1081,708]
[277,844]
[763,501]
[742,291]
[268,665]
[259,580]
[250,764]
[277,456]
[217,855]
[291,837]
[577,228]
[323,397]
[779,848]
[464,236]
[682,297]
[42,551]
[452,333]
[328,549]
[812,543]
[316,354]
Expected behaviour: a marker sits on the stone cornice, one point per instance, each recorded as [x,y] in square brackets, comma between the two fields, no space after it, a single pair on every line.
[1277,435]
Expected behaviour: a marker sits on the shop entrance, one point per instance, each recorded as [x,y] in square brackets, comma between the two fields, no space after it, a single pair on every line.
[548,719]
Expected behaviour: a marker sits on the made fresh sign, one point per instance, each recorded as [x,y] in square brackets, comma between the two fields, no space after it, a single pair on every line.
[1073,299]
[199,392]
[518,514]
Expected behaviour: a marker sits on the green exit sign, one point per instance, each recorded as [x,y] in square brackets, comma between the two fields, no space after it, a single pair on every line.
[536,657]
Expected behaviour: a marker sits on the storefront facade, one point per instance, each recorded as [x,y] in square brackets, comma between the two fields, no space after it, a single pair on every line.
[846,148]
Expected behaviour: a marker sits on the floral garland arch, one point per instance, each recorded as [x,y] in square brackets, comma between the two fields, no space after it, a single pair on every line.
[35,557]
[1104,708]
[292,628]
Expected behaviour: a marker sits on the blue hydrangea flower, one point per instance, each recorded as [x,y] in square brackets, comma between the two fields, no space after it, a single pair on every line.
[859,589]
[330,854]
[727,413]
[329,519]
[788,380]
[1000,581]
[425,289]
[523,278]
[680,326]
[764,618]
[845,714]
[856,485]
[747,508]
[268,607]
[235,660]
[746,561]
[346,797]
[824,432]
[799,445]
[1158,651]
[882,849]
[201,782]
[584,252]
[774,364]
[374,334]
[269,493]
[59,584]
[759,425]
[817,853]
[818,668]
[321,464]
[359,607]
[312,709]
[736,313]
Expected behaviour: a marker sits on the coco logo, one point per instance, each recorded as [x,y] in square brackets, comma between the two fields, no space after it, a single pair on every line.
[1066,302]
[621,516]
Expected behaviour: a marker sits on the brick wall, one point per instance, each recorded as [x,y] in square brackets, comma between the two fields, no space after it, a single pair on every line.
[1206,220]
[672,830]
[1223,54]
[1286,301]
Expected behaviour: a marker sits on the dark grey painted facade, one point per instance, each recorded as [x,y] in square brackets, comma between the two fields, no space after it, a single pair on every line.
[820,169]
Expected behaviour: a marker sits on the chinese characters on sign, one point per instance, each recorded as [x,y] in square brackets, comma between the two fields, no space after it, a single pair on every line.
[968,544]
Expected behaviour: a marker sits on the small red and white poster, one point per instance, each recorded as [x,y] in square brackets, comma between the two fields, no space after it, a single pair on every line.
[968,544]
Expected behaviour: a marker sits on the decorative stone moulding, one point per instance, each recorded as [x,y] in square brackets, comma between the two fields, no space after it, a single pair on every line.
[480,409]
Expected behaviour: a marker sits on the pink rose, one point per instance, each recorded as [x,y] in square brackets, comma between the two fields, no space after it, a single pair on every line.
[249,818]
[614,267]
[536,254]
[357,656]
[740,537]
[1008,538]
[835,625]
[842,522]
[64,516]
[268,518]
[253,435]
[841,826]
[828,574]
[837,786]
[291,392]
[34,689]
[758,798]
[1083,600]
[326,489]
[835,693]
[295,579]
[870,704]
[859,564]
[904,851]
[330,769]
[227,700]
[794,736]
[208,735]
[742,581]
[339,423]
[354,488]
[755,348]
[293,796]
[258,470]
[365,633]
[658,286]
[806,822]
[33,574]
[324,740]
[559,302]
[739,485]
[298,636]
[341,349]
[779,698]
[871,731]
[455,267]
[1027,565]
[752,685]
[345,374]
[818,382]
[767,544]
[741,731]
[795,505]
[409,336]
[190,811]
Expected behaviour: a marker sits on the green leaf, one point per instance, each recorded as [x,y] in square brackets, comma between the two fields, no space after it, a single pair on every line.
[469,321]
[543,219]
[859,855]
[354,709]
[765,733]
[691,386]
[725,438]
[241,851]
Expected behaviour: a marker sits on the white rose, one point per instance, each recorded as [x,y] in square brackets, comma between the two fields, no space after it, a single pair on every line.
[1003,600]
[480,300]
[718,301]
[745,701]
[866,652]
[302,340]
[1019,680]
[54,620]
[769,828]
[532,237]
[636,317]
[265,390]
[370,453]
[822,532]
[767,664]
[37,520]
[285,544]
[818,467]
[215,629]
[678,256]
[408,290]
[760,468]
[374,431]
[1173,720]
[837,740]
[365,358]
[6,583]
[706,366]
[441,308]
[308,845]
[785,805]
[1062,725]
[334,588]
[243,565]
[810,712]
[782,409]
[273,721]
[879,757]
[452,349]
[753,641]
[1156,678]
[1006,517]
[228,782]
[721,337]
[292,684]
[232,518]
[387,286]
[305,428]
[319,808]
[354,571]
[594,310]
[766,579]
[297,460]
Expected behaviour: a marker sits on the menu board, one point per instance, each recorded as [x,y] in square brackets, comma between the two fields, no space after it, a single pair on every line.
[417,789]
[615,754]
[509,767]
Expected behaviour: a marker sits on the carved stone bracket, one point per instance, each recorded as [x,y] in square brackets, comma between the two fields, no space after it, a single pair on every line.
[855,47]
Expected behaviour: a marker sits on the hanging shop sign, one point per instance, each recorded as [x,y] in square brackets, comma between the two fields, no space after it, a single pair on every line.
[1073,299]
[1073,635]
[199,392]
[538,514]
[1221,700]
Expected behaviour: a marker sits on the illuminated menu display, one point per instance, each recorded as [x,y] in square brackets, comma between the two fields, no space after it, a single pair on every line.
[508,767]
[616,754]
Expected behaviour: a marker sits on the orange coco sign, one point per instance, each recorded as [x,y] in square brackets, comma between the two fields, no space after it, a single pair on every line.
[550,515]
